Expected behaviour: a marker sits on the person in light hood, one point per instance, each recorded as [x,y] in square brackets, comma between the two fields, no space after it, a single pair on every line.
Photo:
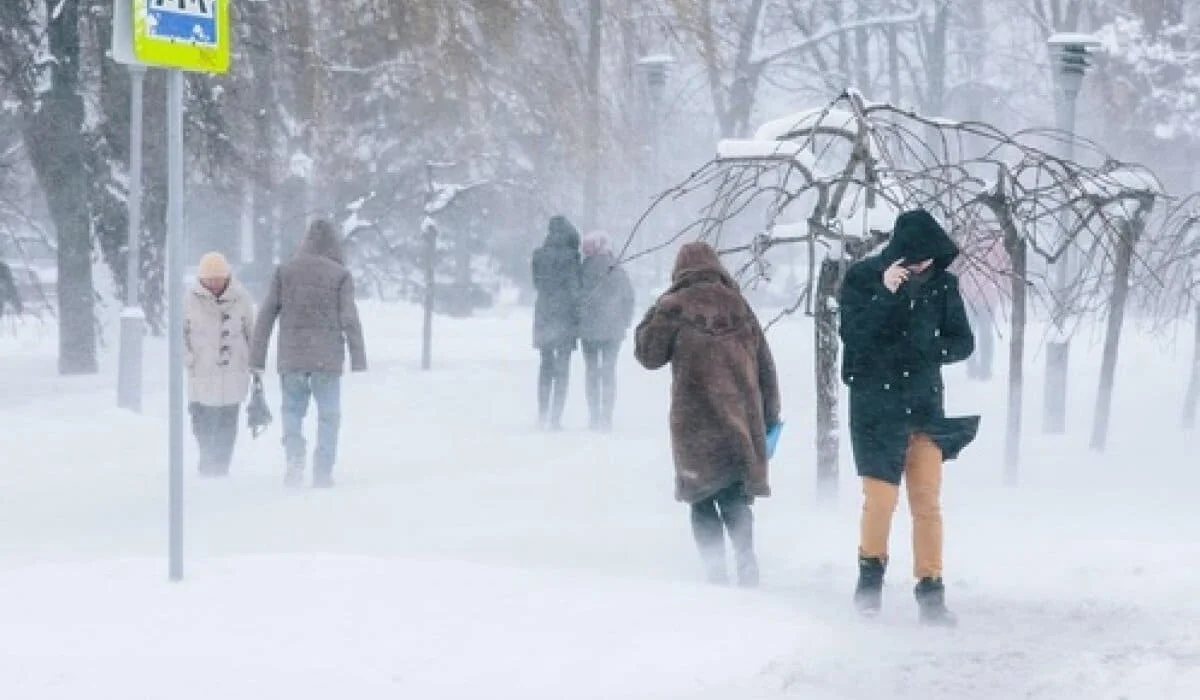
[606,313]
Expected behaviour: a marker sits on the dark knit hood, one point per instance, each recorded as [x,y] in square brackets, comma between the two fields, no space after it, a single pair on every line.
[322,241]
[562,234]
[918,236]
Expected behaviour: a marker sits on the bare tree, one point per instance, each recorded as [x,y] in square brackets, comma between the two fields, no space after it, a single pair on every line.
[40,47]
[832,180]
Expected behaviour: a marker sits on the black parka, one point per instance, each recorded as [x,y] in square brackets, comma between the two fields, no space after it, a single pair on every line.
[895,346]
[557,279]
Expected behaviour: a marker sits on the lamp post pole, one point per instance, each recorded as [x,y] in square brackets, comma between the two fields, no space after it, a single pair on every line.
[655,69]
[1069,52]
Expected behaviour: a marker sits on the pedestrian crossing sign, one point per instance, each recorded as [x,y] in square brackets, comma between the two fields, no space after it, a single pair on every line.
[191,35]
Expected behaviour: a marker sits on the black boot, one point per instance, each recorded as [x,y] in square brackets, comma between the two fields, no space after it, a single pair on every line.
[739,522]
[710,541]
[544,386]
[868,594]
[931,603]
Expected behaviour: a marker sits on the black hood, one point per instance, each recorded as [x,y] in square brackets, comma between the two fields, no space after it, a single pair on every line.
[918,236]
[562,234]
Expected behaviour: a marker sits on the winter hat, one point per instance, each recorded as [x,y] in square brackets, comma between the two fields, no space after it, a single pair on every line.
[596,243]
[214,266]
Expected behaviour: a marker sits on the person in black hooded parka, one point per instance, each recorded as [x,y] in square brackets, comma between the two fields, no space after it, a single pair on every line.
[902,318]
[557,279]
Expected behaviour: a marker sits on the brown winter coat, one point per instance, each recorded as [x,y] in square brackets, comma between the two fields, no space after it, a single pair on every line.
[313,298]
[724,391]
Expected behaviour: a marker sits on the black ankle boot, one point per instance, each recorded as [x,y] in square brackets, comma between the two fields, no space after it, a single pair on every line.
[931,603]
[868,594]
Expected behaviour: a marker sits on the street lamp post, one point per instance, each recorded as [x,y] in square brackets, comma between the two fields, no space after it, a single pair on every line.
[133,319]
[1069,53]
[654,69]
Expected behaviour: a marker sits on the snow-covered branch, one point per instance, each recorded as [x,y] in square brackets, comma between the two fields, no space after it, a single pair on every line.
[763,56]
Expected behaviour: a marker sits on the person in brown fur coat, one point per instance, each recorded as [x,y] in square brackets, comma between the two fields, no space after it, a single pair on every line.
[724,395]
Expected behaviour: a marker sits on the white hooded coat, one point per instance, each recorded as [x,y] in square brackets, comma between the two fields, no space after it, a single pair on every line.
[217,334]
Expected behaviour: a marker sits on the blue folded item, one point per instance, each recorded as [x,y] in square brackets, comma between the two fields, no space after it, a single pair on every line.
[773,432]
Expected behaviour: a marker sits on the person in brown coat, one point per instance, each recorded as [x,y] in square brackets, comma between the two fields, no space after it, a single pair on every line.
[724,395]
[312,296]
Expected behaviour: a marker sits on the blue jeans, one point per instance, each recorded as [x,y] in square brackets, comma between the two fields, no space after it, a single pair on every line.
[326,389]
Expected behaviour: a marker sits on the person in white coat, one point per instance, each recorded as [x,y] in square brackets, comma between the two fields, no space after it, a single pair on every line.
[218,328]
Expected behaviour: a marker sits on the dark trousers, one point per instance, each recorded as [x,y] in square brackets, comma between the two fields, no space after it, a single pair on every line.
[601,361]
[215,428]
[553,380]
[727,511]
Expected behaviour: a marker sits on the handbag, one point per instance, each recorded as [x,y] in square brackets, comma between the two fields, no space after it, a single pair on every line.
[258,415]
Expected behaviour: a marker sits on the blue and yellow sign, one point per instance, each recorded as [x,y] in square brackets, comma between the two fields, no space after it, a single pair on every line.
[191,35]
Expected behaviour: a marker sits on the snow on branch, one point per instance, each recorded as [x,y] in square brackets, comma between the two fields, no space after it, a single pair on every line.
[444,194]
[763,55]
[832,180]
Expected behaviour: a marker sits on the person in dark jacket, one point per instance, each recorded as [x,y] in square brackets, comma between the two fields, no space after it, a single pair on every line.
[312,297]
[902,318]
[724,396]
[557,279]
[605,316]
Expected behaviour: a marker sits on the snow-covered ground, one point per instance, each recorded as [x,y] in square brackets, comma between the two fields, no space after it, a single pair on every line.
[466,555]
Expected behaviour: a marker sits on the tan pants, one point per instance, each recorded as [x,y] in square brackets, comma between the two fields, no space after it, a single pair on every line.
[923,479]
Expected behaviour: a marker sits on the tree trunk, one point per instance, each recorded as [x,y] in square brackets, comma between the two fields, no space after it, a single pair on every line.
[54,135]
[1018,255]
[743,87]
[430,235]
[304,33]
[1193,387]
[893,43]
[843,55]
[262,67]
[826,367]
[591,173]
[1112,336]
[862,50]
[936,72]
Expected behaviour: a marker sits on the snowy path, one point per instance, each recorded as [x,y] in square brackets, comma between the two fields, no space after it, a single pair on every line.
[466,555]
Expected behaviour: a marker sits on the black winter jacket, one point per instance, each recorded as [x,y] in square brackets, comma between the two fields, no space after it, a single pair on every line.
[556,277]
[894,349]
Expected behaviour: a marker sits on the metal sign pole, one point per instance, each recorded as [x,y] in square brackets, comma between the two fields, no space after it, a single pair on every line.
[178,36]
[176,249]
